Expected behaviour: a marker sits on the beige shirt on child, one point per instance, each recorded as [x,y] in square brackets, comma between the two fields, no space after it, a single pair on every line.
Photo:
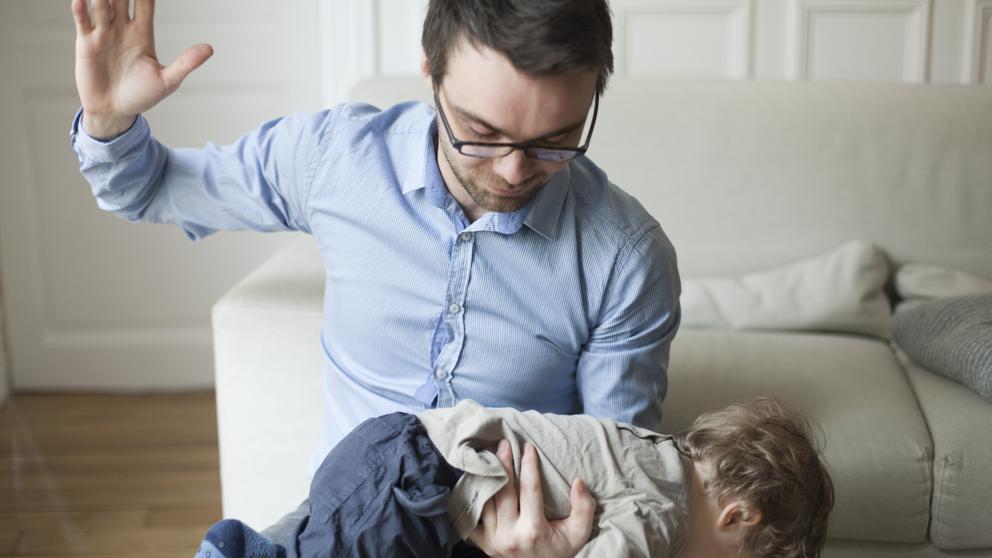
[638,477]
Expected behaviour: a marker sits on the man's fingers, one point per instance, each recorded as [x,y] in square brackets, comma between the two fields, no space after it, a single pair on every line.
[531,495]
[189,60]
[120,8]
[506,498]
[578,525]
[479,539]
[488,517]
[81,15]
[486,530]
[101,13]
[144,11]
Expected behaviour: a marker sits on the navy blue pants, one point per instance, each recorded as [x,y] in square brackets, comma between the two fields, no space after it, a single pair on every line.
[382,491]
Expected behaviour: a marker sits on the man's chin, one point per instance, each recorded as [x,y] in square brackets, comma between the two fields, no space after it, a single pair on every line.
[504,204]
[508,194]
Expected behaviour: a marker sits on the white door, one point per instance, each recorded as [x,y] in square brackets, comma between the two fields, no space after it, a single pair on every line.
[95,302]
[916,41]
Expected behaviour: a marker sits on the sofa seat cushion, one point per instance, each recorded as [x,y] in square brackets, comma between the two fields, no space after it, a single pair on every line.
[877,446]
[960,423]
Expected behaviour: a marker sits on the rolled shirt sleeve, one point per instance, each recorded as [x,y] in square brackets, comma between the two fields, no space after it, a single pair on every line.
[260,182]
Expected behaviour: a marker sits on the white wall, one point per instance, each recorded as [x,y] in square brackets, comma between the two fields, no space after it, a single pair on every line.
[94,302]
[921,41]
[4,378]
[6,59]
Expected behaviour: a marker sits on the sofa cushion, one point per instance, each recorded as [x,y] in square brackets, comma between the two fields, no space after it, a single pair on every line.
[916,281]
[841,291]
[960,422]
[877,446]
[269,379]
[952,337]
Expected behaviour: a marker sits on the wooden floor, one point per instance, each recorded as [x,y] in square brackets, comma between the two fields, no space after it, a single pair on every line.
[107,475]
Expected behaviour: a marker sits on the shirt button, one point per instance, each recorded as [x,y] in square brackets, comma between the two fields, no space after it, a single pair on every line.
[465,236]
[441,374]
[454,308]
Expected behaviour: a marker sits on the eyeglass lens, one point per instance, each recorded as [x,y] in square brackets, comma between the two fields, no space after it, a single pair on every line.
[540,153]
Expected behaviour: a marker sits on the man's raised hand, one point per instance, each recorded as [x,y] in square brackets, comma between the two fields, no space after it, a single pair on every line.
[118,74]
[512,528]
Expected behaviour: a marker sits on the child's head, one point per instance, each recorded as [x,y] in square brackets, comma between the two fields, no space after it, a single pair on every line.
[761,470]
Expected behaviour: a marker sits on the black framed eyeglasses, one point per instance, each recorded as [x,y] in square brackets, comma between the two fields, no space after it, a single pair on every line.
[490,150]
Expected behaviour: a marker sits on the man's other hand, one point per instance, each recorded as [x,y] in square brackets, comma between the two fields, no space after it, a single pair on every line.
[512,528]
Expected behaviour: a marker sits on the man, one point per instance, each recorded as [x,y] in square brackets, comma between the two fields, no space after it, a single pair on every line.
[471,252]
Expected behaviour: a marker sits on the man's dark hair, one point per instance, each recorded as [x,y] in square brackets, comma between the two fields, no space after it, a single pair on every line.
[537,36]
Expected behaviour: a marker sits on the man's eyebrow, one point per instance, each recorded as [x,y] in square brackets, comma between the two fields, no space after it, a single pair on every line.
[468,115]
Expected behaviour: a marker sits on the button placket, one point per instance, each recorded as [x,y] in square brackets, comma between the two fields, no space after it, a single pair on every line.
[454,317]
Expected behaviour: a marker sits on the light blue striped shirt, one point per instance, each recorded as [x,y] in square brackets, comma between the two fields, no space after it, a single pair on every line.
[567,305]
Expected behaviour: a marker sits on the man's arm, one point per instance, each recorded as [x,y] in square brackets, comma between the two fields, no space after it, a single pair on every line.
[261,182]
[622,371]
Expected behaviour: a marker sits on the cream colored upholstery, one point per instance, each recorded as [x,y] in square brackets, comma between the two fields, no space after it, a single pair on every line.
[843,290]
[743,176]
[877,445]
[268,381]
[960,423]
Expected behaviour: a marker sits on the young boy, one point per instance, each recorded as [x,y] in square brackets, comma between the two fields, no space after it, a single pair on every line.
[742,481]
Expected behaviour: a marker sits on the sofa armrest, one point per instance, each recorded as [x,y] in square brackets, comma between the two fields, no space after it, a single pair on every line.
[269,384]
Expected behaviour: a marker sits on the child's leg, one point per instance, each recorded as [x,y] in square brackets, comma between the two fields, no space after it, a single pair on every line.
[382,491]
[231,538]
[288,528]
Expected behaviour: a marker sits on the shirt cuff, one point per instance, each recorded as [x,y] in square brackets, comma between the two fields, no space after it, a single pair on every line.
[110,150]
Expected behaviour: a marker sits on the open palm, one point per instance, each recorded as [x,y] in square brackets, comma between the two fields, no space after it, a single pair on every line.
[118,74]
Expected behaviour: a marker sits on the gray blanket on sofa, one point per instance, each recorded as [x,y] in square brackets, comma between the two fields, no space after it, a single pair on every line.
[952,337]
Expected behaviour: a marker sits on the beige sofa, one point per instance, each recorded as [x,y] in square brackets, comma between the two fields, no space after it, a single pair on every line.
[743,176]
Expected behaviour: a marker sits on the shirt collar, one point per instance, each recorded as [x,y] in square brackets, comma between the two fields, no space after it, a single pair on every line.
[422,168]
[545,209]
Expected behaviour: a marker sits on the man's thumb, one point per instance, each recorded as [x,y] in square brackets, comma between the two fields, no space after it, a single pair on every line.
[187,61]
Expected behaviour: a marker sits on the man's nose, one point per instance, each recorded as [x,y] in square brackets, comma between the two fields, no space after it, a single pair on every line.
[514,167]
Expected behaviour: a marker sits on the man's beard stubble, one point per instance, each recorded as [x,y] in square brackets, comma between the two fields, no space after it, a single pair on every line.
[473,181]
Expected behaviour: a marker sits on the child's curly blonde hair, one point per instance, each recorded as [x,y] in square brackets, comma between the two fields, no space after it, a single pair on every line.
[763,452]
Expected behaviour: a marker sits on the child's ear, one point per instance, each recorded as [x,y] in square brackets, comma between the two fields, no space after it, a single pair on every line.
[738,515]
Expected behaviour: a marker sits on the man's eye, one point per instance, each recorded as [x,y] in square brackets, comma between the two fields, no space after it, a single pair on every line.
[482,135]
[556,140]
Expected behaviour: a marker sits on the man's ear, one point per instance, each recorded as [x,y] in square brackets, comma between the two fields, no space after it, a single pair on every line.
[425,69]
[737,515]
